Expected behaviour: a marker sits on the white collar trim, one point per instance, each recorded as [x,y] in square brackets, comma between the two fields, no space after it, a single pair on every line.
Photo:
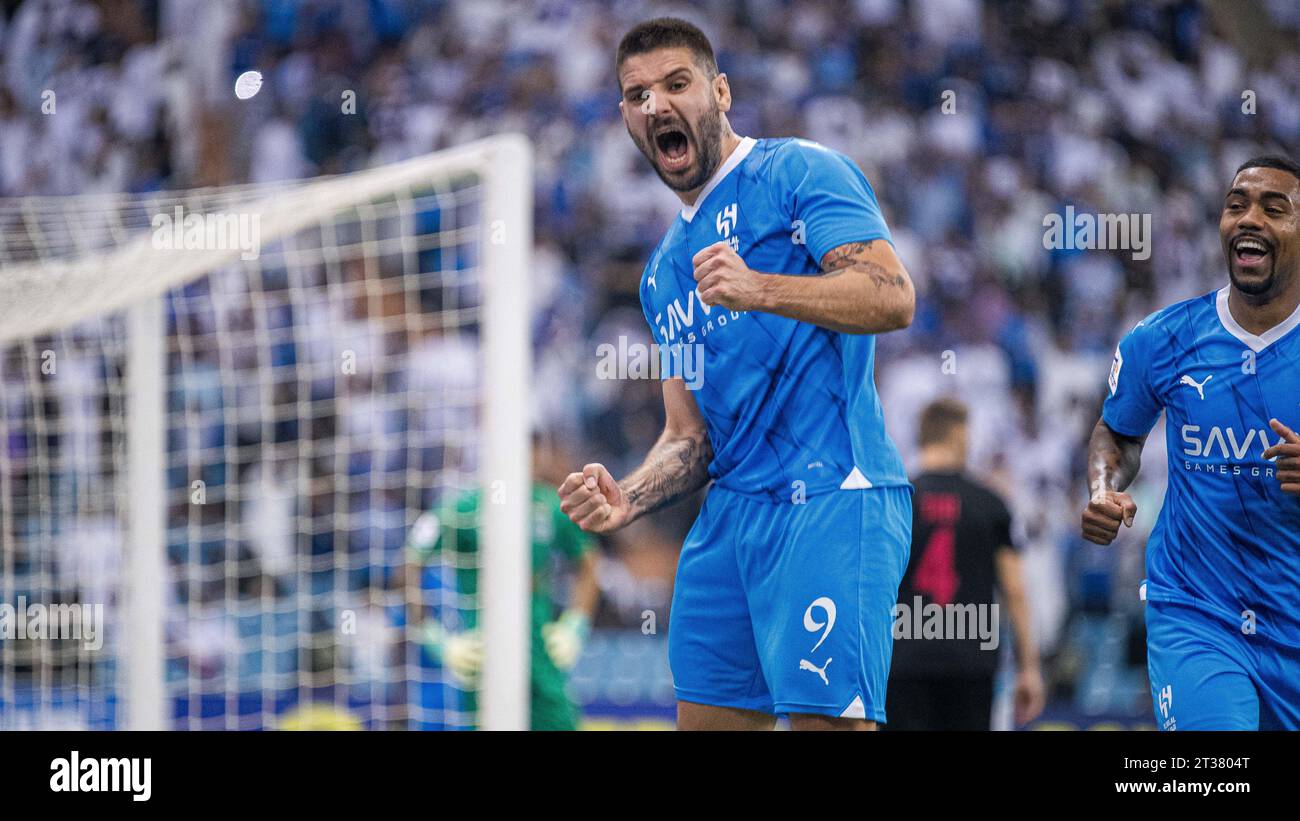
[1255,342]
[738,154]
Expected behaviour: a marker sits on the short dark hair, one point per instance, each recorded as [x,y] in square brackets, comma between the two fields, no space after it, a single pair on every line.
[1271,161]
[939,419]
[666,32]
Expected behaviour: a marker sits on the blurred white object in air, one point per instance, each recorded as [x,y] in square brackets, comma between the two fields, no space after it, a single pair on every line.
[248,84]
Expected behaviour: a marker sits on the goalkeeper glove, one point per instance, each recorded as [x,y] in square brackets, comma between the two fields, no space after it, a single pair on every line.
[565,637]
[460,653]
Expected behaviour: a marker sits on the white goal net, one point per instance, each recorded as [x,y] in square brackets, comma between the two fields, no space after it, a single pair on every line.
[222,410]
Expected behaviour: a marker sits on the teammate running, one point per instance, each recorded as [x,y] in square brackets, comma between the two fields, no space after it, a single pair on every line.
[1223,563]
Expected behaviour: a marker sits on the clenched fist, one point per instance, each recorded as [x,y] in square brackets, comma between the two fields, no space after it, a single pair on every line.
[723,278]
[593,500]
[1102,517]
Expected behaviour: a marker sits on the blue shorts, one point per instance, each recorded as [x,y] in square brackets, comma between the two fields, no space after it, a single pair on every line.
[788,608]
[1206,674]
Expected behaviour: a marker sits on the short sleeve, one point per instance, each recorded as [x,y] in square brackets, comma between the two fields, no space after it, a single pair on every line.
[829,197]
[647,283]
[656,335]
[1132,407]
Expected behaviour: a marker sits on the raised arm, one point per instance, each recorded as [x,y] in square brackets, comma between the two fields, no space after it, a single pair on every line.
[677,465]
[1113,462]
[863,288]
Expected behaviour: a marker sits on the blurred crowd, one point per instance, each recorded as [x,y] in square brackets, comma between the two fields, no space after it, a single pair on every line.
[973,121]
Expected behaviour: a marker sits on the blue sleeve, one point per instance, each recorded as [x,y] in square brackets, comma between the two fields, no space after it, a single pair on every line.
[825,191]
[656,335]
[1132,407]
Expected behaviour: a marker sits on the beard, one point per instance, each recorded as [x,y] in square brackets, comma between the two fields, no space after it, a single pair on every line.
[1258,287]
[706,138]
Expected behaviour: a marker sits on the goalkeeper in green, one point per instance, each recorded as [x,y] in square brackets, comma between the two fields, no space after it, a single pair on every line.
[449,533]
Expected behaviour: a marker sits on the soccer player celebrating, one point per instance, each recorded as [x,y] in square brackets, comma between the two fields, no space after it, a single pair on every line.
[774,277]
[1223,563]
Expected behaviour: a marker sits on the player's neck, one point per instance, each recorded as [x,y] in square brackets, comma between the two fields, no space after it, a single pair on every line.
[730,142]
[1256,316]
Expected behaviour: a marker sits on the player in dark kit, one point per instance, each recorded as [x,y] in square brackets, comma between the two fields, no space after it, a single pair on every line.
[1223,562]
[961,550]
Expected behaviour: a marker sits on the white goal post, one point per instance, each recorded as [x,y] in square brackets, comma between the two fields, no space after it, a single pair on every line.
[218,352]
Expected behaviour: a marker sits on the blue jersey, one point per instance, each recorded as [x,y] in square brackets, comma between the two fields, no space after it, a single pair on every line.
[1228,539]
[790,407]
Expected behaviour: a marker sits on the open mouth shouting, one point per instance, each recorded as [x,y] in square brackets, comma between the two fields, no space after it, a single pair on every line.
[672,148]
[1250,252]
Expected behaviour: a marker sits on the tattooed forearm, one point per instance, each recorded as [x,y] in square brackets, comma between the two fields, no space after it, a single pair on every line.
[877,295]
[1113,460]
[848,257]
[879,276]
[844,255]
[673,468]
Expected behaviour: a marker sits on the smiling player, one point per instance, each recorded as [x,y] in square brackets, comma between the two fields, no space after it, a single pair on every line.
[1223,563]
[779,268]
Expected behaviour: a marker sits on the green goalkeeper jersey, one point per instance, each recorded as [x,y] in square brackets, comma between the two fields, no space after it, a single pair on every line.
[450,531]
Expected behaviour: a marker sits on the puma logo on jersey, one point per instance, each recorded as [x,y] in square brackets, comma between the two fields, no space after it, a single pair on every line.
[654,269]
[1200,386]
[805,664]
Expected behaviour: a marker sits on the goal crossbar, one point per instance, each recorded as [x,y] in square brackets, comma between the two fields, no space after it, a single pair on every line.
[102,263]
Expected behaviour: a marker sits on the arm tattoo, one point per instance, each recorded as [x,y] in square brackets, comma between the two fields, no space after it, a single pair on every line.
[674,468]
[847,257]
